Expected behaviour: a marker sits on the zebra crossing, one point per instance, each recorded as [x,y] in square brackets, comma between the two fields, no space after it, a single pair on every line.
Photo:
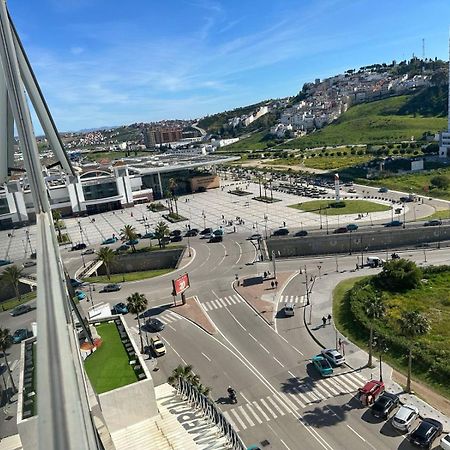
[296,299]
[221,302]
[168,317]
[297,397]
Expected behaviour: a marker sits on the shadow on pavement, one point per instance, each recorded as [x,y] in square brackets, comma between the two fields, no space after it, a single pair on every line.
[370,418]
[224,401]
[322,416]
[388,430]
[155,311]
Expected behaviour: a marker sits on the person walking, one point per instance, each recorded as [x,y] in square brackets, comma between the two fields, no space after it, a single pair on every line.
[324,321]
[329,319]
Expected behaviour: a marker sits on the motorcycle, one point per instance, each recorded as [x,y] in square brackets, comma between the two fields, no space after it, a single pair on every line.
[232,396]
[395,256]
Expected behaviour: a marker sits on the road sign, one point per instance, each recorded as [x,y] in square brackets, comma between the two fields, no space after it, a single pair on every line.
[181,284]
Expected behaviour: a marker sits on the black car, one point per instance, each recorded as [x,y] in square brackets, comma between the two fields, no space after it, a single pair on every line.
[216,238]
[175,233]
[301,233]
[21,309]
[281,232]
[433,223]
[191,233]
[384,405]
[80,246]
[154,325]
[206,231]
[424,435]
[176,238]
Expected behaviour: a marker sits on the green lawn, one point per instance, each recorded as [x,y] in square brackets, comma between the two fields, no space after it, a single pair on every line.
[108,367]
[351,207]
[431,298]
[254,142]
[130,276]
[441,214]
[12,303]
[336,162]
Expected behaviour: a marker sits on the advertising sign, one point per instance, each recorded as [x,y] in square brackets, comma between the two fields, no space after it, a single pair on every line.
[181,284]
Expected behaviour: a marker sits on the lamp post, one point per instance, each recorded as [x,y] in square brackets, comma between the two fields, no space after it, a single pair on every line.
[82,258]
[204,219]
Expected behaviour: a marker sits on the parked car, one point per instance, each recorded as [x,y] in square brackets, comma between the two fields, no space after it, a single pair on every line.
[340,230]
[19,310]
[394,223]
[79,246]
[191,233]
[123,248]
[149,235]
[352,227]
[75,283]
[80,295]
[289,310]
[216,238]
[281,232]
[111,240]
[88,251]
[112,287]
[175,233]
[28,264]
[4,262]
[132,242]
[19,335]
[255,237]
[375,261]
[369,393]
[206,231]
[425,434]
[301,233]
[333,356]
[120,308]
[384,405]
[218,232]
[445,442]
[383,190]
[176,238]
[405,417]
[322,365]
[154,324]
[352,191]
[157,346]
[433,223]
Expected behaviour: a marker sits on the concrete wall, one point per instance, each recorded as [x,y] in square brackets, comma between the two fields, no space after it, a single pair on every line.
[7,292]
[377,239]
[159,259]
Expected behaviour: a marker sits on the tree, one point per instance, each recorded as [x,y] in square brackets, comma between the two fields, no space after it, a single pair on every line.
[108,257]
[5,343]
[161,230]
[57,222]
[172,187]
[128,233]
[399,275]
[440,182]
[412,324]
[375,309]
[11,276]
[137,304]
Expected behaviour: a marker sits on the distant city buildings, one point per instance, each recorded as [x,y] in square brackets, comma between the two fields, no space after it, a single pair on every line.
[154,136]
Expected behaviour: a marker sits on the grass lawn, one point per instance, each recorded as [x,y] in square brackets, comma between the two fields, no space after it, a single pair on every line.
[130,276]
[436,307]
[441,214]
[12,303]
[336,162]
[254,142]
[108,366]
[351,207]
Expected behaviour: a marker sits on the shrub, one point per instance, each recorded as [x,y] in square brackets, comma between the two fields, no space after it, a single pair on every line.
[440,182]
[399,275]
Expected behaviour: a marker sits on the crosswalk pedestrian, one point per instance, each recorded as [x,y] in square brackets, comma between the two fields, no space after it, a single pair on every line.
[223,302]
[295,299]
[168,317]
[298,397]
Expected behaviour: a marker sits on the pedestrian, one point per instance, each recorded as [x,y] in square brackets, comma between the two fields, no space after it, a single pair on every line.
[265,274]
[324,321]
[272,284]
[329,319]
[340,343]
[276,284]
[234,229]
[284,224]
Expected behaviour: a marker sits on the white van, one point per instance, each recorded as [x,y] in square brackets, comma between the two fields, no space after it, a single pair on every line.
[374,261]
[289,309]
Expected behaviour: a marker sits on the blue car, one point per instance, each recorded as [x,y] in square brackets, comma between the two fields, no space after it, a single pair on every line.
[80,295]
[75,283]
[5,262]
[123,248]
[19,335]
[111,240]
[394,223]
[149,235]
[120,308]
[322,365]
[133,242]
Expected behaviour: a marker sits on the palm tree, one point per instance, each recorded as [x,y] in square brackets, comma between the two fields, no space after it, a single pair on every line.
[184,372]
[168,195]
[128,233]
[5,343]
[11,276]
[57,222]
[375,309]
[259,182]
[172,186]
[412,324]
[137,304]
[161,230]
[108,257]
[265,190]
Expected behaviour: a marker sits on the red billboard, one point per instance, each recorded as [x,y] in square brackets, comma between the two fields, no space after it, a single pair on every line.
[181,284]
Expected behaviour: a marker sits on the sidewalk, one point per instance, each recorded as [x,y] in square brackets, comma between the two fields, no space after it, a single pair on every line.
[327,337]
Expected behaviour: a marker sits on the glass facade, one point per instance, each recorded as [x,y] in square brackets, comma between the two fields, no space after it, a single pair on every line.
[101,190]
[4,208]
[181,178]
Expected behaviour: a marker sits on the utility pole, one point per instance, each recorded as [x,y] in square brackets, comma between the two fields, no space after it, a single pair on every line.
[274,264]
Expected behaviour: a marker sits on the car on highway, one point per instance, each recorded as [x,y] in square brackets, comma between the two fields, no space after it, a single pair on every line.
[120,308]
[88,251]
[445,442]
[384,405]
[254,237]
[132,242]
[4,262]
[113,287]
[111,240]
[322,365]
[80,295]
[216,238]
[433,223]
[369,393]
[352,191]
[176,238]
[289,309]
[123,248]
[375,261]
[19,335]
[340,230]
[148,235]
[333,356]
[206,231]
[425,434]
[28,264]
[394,223]
[281,232]
[79,246]
[157,346]
[352,227]
[21,309]
[405,417]
[301,233]
[154,324]
[75,283]
[383,190]
[191,233]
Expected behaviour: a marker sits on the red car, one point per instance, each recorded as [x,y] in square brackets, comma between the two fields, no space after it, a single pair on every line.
[370,392]
[340,230]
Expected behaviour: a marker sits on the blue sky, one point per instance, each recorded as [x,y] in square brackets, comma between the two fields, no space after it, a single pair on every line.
[116,62]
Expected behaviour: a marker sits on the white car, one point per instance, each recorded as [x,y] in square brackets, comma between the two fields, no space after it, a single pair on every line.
[405,417]
[255,237]
[88,251]
[28,264]
[445,442]
[333,356]
[158,346]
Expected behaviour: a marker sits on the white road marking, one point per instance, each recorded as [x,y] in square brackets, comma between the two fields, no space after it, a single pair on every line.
[237,321]
[246,416]
[170,326]
[281,364]
[256,405]
[242,425]
[269,409]
[263,347]
[253,337]
[244,397]
[296,399]
[291,374]
[275,405]
[227,416]
[253,413]
[240,252]
[207,357]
